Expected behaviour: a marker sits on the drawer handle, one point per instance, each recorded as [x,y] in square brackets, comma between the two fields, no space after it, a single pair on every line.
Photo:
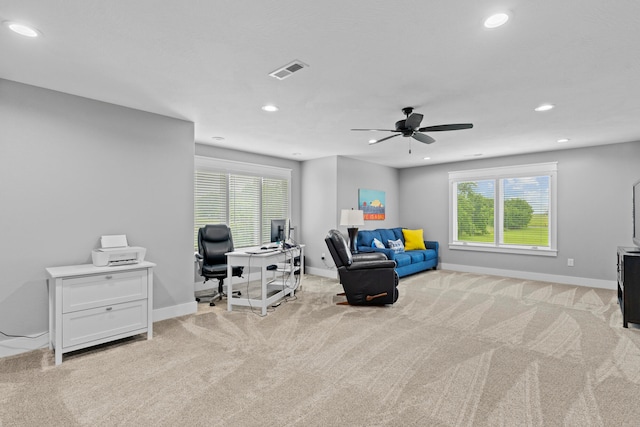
[109,277]
[109,308]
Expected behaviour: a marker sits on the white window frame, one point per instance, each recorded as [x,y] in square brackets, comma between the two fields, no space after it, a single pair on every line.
[230,167]
[498,174]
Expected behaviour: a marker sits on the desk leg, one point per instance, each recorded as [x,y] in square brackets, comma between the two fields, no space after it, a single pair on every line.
[229,286]
[301,275]
[263,278]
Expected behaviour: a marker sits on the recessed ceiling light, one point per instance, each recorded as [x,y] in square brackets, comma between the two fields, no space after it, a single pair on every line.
[23,30]
[544,107]
[426,158]
[270,108]
[218,138]
[496,20]
[563,140]
[373,141]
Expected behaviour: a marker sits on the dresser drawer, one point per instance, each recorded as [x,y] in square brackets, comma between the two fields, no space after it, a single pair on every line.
[84,326]
[82,293]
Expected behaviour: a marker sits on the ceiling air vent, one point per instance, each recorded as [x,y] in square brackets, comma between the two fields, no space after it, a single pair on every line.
[287,70]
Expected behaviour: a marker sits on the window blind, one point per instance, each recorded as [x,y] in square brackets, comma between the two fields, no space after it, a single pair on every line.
[275,203]
[210,200]
[244,209]
[244,196]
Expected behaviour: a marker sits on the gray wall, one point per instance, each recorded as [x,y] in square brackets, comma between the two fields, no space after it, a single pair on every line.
[319,213]
[73,169]
[354,175]
[330,185]
[594,209]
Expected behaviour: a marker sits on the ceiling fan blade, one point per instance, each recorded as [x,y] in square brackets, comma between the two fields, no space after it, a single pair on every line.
[423,138]
[384,139]
[439,128]
[413,121]
[378,130]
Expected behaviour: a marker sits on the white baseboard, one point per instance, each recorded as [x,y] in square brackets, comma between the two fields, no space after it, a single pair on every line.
[15,346]
[322,272]
[175,311]
[527,275]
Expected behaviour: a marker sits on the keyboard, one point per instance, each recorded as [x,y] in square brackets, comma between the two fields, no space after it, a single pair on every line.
[270,246]
[262,251]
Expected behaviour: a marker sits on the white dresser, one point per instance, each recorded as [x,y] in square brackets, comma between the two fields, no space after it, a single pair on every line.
[91,305]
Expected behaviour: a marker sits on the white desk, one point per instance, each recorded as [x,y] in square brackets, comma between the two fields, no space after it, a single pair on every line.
[286,285]
[91,305]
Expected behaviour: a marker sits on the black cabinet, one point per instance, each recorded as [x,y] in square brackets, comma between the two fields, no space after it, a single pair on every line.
[629,284]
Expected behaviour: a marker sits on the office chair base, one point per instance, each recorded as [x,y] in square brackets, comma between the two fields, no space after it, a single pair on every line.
[213,297]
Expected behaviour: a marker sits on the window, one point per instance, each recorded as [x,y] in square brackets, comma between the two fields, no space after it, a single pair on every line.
[509,209]
[244,196]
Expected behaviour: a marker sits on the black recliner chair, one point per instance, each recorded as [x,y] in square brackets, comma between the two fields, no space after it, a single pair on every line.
[214,241]
[367,278]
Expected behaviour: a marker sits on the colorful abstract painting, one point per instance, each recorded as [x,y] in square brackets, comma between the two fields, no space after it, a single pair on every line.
[372,203]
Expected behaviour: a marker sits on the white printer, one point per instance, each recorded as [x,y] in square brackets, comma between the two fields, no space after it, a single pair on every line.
[115,251]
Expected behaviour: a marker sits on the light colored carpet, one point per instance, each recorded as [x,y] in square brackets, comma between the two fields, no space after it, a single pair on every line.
[456,349]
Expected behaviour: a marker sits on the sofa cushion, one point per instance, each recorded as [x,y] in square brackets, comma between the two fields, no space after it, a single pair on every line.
[386,234]
[429,254]
[396,246]
[413,239]
[397,232]
[365,237]
[402,259]
[416,256]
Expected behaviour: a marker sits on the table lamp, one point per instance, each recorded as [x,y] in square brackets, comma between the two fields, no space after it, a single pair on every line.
[352,219]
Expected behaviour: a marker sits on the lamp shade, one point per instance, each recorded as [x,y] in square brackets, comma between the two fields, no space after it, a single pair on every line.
[351,217]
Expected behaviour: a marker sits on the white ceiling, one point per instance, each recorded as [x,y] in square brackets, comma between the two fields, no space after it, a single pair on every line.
[209,62]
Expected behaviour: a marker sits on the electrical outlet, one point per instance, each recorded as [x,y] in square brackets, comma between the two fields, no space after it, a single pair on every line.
[322,255]
[570,262]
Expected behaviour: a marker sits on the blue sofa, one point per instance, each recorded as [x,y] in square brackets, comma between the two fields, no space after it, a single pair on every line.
[408,262]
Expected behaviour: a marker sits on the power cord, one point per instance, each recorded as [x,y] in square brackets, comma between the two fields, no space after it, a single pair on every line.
[248,296]
[286,277]
[23,336]
[330,267]
[296,281]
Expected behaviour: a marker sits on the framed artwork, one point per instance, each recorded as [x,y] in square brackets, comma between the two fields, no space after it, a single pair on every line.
[372,203]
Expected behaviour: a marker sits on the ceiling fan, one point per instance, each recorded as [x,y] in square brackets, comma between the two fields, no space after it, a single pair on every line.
[410,127]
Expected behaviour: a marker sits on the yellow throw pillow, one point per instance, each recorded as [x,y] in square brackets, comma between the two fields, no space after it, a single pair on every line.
[413,239]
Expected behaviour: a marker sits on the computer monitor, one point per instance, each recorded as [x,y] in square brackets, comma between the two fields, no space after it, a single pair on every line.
[278,233]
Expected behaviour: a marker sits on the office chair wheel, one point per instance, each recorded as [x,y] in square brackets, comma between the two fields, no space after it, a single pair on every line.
[197,299]
[212,304]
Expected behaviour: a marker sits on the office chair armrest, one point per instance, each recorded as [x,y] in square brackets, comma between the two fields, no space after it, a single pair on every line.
[199,261]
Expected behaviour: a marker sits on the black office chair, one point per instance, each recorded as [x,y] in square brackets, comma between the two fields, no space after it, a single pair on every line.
[214,241]
[368,278]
